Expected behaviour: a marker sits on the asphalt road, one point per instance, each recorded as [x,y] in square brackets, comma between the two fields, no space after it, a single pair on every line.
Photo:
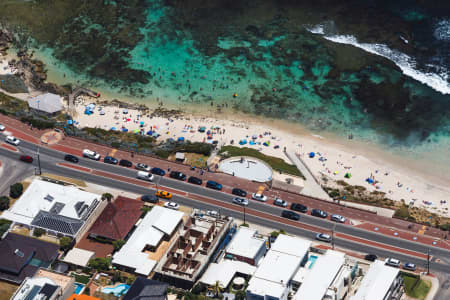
[12,171]
[49,158]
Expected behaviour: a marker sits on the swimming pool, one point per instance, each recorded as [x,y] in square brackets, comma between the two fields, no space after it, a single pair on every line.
[118,291]
[78,288]
[311,260]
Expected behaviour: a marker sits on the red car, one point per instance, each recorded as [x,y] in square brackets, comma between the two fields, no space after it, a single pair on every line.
[26,158]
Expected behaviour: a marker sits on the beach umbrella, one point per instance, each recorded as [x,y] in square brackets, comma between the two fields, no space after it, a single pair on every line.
[125,111]
[149,132]
[242,142]
[312,154]
[70,122]
[136,130]
[124,129]
[181,139]
[113,128]
[141,123]
[208,132]
[252,143]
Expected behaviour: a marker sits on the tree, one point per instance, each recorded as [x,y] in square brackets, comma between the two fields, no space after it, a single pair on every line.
[107,196]
[118,244]
[240,295]
[4,203]
[274,234]
[117,277]
[37,232]
[99,263]
[216,289]
[4,226]
[130,280]
[16,190]
[87,291]
[65,243]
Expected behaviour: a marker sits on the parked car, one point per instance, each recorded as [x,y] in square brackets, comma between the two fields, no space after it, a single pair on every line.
[177,175]
[71,158]
[142,167]
[110,160]
[12,140]
[91,154]
[299,207]
[158,171]
[259,197]
[280,202]
[163,194]
[240,201]
[337,218]
[2,127]
[393,262]
[125,163]
[239,192]
[144,175]
[213,213]
[172,205]
[26,158]
[195,180]
[290,215]
[371,257]
[150,198]
[213,185]
[409,266]
[318,213]
[323,237]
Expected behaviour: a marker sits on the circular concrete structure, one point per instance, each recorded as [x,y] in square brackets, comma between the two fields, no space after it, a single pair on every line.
[247,167]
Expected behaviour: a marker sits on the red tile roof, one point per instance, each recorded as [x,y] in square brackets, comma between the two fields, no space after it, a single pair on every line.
[117,218]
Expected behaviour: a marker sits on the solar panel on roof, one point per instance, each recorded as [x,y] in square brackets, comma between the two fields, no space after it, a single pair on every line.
[33,293]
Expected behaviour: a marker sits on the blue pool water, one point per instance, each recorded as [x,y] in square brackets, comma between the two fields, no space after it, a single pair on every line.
[118,291]
[312,259]
[78,288]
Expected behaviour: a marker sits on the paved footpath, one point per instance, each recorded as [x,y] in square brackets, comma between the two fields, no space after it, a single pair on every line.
[75,146]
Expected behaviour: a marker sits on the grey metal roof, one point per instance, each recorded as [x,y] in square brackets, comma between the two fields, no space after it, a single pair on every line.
[57,223]
[49,103]
[147,289]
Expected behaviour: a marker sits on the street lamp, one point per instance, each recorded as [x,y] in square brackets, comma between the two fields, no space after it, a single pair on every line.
[332,236]
[244,214]
[39,161]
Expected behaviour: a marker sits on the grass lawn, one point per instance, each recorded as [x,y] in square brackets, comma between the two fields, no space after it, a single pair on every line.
[81,278]
[65,179]
[276,163]
[7,290]
[197,160]
[420,291]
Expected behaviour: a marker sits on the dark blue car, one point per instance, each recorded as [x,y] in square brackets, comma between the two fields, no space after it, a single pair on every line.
[214,185]
[110,160]
[158,171]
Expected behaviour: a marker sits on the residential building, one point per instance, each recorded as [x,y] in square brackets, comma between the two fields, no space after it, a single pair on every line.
[22,256]
[224,271]
[82,297]
[58,209]
[48,103]
[146,289]
[246,246]
[381,282]
[78,257]
[157,227]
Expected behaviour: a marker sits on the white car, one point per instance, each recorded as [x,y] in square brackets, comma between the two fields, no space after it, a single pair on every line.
[337,218]
[323,237]
[144,176]
[91,154]
[12,140]
[143,167]
[280,202]
[2,127]
[172,205]
[240,201]
[213,213]
[393,262]
[259,197]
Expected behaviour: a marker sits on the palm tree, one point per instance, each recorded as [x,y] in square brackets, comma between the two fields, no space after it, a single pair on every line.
[216,289]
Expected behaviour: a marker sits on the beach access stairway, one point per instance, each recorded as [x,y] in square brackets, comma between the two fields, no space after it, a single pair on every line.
[312,187]
[78,91]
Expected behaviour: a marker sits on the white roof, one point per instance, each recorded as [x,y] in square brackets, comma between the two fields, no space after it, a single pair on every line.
[321,276]
[151,230]
[376,282]
[49,103]
[79,257]
[291,245]
[42,195]
[258,286]
[278,267]
[245,244]
[27,286]
[224,272]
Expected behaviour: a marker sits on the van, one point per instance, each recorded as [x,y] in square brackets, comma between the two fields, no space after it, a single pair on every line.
[145,175]
[91,154]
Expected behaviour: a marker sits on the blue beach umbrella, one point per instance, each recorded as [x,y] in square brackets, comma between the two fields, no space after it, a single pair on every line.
[124,129]
[113,128]
[181,139]
[70,122]
[149,132]
[312,154]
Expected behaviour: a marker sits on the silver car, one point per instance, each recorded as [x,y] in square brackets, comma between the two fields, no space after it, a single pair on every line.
[12,140]
[337,218]
[240,201]
[143,167]
[280,202]
[259,197]
[393,262]
[323,237]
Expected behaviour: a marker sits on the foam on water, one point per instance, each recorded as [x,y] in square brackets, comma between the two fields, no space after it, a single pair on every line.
[442,30]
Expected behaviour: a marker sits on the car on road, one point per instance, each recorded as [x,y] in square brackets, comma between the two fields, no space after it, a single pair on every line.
[323,237]
[150,198]
[142,167]
[195,180]
[26,158]
[371,257]
[144,176]
[214,185]
[259,197]
[337,218]
[158,171]
[239,192]
[71,158]
[280,202]
[12,140]
[91,154]
[2,127]
[110,160]
[178,175]
[288,214]
[213,213]
[172,205]
[125,163]
[163,194]
[299,207]
[409,266]
[318,213]
[240,201]
[393,262]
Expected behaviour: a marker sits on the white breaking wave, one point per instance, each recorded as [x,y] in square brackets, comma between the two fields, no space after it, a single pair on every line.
[317,29]
[442,31]
[438,82]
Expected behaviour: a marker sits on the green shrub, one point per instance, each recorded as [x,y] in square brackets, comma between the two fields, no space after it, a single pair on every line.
[4,203]
[402,212]
[99,263]
[198,289]
[118,244]
[4,226]
[81,278]
[65,243]
[445,227]
[130,280]
[37,232]
[16,190]
[107,196]
[240,295]
[274,234]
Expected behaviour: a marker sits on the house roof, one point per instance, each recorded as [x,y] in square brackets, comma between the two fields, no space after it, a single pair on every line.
[117,219]
[36,288]
[78,257]
[82,297]
[245,243]
[224,272]
[16,252]
[48,102]
[146,289]
[57,223]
